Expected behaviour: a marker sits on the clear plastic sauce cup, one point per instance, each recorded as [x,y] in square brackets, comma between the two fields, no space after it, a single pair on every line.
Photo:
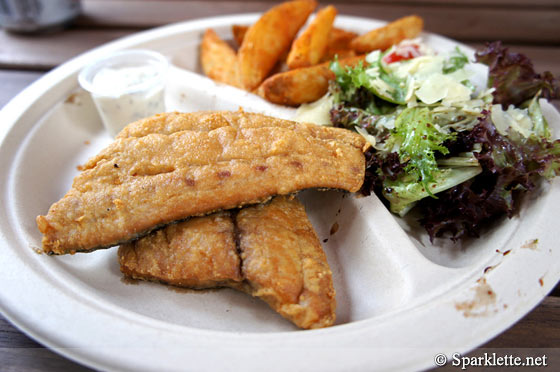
[126,86]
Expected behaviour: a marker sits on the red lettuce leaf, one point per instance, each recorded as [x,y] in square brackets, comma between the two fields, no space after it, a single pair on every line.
[513,76]
[511,167]
[378,169]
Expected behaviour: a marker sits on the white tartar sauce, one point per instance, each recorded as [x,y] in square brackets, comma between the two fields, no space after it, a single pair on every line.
[124,95]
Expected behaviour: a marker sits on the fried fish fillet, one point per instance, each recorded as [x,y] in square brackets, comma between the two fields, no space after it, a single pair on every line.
[175,165]
[198,253]
[283,262]
[274,254]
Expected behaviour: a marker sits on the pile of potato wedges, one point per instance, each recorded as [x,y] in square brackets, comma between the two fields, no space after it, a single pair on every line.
[288,65]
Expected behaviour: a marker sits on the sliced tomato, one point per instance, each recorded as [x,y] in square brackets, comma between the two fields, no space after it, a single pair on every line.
[402,53]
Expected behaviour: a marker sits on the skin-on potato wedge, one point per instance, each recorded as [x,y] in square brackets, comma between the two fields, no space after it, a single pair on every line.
[341,39]
[391,34]
[308,49]
[338,53]
[218,59]
[339,44]
[239,32]
[269,38]
[301,85]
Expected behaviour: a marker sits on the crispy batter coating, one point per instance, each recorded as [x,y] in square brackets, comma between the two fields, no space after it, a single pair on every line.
[173,166]
[284,264]
[198,253]
[280,259]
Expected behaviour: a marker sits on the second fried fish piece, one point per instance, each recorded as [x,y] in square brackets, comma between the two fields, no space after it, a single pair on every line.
[284,264]
[272,253]
[198,253]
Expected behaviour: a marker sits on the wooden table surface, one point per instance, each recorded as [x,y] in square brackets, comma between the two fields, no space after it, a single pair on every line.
[531,27]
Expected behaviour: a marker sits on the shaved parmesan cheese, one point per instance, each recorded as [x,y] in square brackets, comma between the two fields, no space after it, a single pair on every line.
[514,118]
[439,87]
[318,112]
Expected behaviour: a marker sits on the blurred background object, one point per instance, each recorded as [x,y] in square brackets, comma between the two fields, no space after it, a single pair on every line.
[37,15]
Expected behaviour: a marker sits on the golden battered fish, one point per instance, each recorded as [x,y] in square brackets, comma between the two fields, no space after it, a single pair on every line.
[198,253]
[176,165]
[283,262]
[274,254]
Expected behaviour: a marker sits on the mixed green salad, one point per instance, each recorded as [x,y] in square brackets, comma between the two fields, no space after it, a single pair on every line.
[461,154]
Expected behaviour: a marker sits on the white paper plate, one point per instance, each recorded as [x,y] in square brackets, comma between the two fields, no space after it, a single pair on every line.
[400,299]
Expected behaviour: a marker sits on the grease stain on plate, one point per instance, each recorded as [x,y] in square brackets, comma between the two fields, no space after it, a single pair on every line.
[334,228]
[484,297]
[531,244]
[75,98]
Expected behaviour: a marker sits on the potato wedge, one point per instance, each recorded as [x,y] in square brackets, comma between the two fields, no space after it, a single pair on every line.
[391,34]
[338,53]
[239,32]
[308,49]
[301,85]
[269,38]
[341,39]
[339,44]
[218,59]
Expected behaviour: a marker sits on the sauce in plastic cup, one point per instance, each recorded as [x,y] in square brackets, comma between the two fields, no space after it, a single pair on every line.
[126,86]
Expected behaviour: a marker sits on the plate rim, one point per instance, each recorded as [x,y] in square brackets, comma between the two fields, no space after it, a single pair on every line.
[19,105]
